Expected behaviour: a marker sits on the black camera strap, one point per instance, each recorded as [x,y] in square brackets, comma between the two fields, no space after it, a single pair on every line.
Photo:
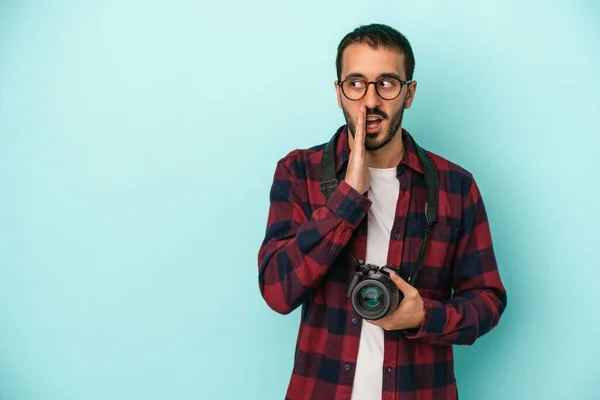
[329,183]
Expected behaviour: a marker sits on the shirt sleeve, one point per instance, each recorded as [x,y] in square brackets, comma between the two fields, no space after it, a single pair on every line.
[298,249]
[479,297]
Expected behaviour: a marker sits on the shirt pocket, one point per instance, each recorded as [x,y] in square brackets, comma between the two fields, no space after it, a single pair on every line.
[436,273]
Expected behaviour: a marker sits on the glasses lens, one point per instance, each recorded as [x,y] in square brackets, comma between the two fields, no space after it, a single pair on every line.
[354,89]
[388,88]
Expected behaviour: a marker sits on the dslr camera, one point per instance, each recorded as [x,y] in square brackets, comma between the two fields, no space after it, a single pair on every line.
[372,292]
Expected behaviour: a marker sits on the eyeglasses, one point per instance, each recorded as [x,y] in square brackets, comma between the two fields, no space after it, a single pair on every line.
[387,88]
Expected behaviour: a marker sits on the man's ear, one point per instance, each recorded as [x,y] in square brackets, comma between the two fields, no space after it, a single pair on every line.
[412,88]
[338,93]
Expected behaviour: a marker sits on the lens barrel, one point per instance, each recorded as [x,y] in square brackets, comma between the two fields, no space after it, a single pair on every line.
[375,297]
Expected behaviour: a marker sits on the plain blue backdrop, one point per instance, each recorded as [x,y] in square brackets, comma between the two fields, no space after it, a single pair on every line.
[138,141]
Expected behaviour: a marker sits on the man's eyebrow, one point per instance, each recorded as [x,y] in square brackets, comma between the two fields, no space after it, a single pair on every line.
[383,75]
[390,75]
[355,75]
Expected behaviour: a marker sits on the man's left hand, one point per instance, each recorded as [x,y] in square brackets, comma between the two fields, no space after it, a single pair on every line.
[409,314]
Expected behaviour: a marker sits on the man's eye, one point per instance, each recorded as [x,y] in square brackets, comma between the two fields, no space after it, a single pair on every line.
[357,84]
[387,83]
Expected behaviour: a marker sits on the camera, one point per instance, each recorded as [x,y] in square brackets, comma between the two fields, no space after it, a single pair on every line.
[372,292]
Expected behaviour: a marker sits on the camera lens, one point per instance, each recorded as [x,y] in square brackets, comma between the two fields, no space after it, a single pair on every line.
[375,297]
[370,296]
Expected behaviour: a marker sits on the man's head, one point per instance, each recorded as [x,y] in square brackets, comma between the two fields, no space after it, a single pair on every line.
[375,53]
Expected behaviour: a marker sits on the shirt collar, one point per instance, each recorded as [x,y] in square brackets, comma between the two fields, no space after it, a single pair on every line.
[409,159]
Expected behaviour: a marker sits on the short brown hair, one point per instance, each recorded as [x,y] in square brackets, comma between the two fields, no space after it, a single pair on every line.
[378,35]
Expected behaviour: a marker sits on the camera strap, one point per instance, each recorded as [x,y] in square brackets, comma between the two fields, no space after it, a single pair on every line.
[329,183]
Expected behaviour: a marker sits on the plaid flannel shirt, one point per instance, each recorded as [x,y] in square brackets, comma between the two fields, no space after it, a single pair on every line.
[305,261]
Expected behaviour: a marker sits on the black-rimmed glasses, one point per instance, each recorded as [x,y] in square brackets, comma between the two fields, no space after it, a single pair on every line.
[387,88]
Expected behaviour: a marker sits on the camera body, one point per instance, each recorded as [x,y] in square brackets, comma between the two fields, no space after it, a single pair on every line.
[372,292]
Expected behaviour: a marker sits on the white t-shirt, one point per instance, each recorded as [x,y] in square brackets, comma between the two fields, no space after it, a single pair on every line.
[383,193]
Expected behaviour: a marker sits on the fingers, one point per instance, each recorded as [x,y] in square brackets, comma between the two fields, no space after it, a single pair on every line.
[359,139]
[402,285]
[379,322]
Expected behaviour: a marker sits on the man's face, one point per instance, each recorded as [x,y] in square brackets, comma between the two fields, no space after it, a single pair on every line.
[360,60]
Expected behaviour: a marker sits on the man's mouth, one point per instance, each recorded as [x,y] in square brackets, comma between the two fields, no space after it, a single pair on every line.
[373,124]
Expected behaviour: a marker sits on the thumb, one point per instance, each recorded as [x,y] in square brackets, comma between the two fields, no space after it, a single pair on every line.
[401,283]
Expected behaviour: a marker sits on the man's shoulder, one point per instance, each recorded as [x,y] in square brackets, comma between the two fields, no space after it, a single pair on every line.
[445,164]
[300,160]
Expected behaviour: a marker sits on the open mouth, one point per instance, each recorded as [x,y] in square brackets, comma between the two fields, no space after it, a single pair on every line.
[374,125]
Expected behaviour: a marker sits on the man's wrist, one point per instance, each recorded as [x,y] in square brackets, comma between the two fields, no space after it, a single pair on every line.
[419,318]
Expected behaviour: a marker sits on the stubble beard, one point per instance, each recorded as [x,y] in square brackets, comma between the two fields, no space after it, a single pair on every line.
[377,140]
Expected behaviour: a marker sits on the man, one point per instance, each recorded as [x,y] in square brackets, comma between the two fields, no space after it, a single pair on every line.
[313,244]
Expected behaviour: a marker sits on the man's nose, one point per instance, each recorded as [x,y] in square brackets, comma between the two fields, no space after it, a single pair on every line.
[371,99]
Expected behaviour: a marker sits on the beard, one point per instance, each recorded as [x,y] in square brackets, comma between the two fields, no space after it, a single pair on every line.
[375,141]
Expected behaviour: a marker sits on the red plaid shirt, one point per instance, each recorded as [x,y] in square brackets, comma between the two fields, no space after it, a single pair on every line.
[305,261]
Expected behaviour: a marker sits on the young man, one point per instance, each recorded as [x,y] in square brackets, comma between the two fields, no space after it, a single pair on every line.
[314,242]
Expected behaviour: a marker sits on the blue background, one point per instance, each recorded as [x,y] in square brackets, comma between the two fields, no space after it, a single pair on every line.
[137,146]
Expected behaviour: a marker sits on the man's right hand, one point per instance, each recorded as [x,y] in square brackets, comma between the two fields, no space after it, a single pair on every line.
[358,175]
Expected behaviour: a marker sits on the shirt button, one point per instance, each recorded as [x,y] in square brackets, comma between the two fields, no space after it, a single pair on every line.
[355,321]
[396,235]
[389,369]
[360,232]
[347,367]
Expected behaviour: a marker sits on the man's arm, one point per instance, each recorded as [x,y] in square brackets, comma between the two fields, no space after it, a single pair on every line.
[479,296]
[298,249]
